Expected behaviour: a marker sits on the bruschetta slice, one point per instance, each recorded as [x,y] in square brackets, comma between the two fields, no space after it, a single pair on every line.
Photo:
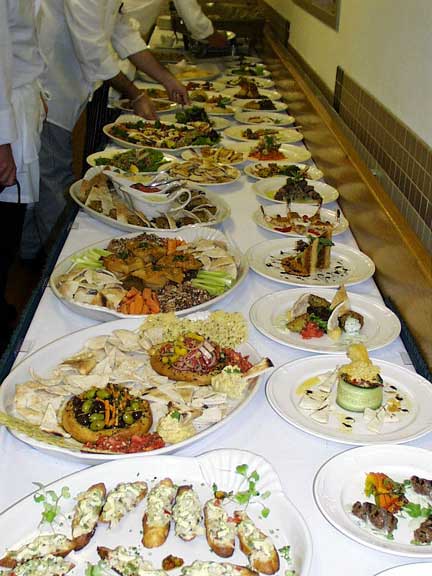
[43,545]
[220,529]
[156,521]
[127,562]
[48,566]
[187,514]
[124,498]
[200,568]
[86,514]
[258,547]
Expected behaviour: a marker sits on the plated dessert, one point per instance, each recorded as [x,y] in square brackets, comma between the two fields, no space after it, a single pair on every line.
[105,391]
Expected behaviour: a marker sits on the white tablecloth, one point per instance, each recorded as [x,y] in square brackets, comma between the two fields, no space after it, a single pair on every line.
[295,455]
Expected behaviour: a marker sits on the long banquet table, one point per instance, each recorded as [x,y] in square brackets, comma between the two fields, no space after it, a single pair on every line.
[295,455]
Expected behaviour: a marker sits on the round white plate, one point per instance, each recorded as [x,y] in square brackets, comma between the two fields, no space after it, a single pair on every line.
[286,386]
[223,212]
[44,360]
[191,72]
[232,72]
[218,466]
[309,209]
[233,81]
[313,173]
[417,569]
[212,184]
[278,106]
[340,482]
[124,105]
[212,110]
[267,188]
[189,155]
[257,117]
[348,266]
[286,135]
[103,314]
[269,313]
[110,152]
[292,153]
[217,122]
[217,86]
[271,94]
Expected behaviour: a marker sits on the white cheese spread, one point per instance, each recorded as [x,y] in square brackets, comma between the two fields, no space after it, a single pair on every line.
[87,511]
[121,500]
[159,504]
[42,546]
[47,566]
[187,514]
[220,528]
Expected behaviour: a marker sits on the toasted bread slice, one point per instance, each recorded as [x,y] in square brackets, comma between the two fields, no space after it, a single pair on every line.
[39,547]
[124,498]
[127,561]
[187,514]
[200,568]
[258,547]
[86,514]
[48,566]
[156,520]
[220,530]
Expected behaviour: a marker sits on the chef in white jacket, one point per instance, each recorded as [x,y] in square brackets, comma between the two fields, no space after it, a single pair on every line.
[197,23]
[21,118]
[83,43]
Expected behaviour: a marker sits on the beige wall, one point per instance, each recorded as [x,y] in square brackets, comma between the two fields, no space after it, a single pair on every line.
[384,45]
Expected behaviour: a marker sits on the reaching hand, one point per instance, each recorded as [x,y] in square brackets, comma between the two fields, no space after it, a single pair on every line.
[176,91]
[145,107]
[7,166]
[217,40]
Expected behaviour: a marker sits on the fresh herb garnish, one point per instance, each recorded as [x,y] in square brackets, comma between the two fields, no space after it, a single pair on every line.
[175,415]
[51,502]
[285,552]
[417,510]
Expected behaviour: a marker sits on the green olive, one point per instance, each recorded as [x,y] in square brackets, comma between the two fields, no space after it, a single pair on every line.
[103,394]
[128,418]
[87,406]
[97,425]
[97,416]
[90,393]
[135,405]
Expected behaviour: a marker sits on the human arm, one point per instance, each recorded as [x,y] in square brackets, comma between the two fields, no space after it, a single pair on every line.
[198,24]
[8,129]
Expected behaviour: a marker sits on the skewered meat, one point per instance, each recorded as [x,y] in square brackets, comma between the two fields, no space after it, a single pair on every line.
[378,517]
[423,534]
[422,486]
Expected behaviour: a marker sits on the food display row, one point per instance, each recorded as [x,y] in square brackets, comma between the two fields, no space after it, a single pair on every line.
[209,250]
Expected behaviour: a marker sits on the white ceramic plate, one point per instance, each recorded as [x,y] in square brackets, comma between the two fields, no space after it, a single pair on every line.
[110,152]
[269,313]
[313,173]
[191,72]
[206,183]
[213,110]
[44,360]
[267,188]
[287,384]
[103,314]
[125,106]
[309,209]
[292,153]
[278,106]
[340,482]
[231,72]
[348,265]
[217,122]
[271,94]
[233,81]
[189,155]
[223,212]
[286,135]
[285,524]
[257,117]
[417,569]
[217,86]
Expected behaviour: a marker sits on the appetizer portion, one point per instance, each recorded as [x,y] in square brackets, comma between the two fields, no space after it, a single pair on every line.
[248,89]
[310,256]
[128,561]
[220,528]
[125,497]
[297,188]
[279,134]
[378,517]
[267,149]
[191,115]
[299,222]
[262,104]
[200,568]
[213,102]
[187,514]
[86,514]
[148,274]
[156,520]
[313,316]
[160,135]
[219,155]
[50,545]
[360,385]
[292,171]
[205,171]
[251,69]
[134,160]
[258,547]
[45,566]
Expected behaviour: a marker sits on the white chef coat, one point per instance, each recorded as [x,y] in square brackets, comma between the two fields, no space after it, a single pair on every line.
[21,110]
[147,11]
[82,42]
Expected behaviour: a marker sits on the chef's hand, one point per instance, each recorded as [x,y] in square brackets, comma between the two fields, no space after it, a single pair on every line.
[176,91]
[7,166]
[217,40]
[145,107]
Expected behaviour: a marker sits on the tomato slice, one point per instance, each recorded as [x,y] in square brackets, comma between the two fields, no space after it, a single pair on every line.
[311,330]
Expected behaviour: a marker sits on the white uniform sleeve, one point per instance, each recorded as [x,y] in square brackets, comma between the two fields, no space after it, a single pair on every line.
[194,18]
[94,51]
[8,129]
[126,38]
